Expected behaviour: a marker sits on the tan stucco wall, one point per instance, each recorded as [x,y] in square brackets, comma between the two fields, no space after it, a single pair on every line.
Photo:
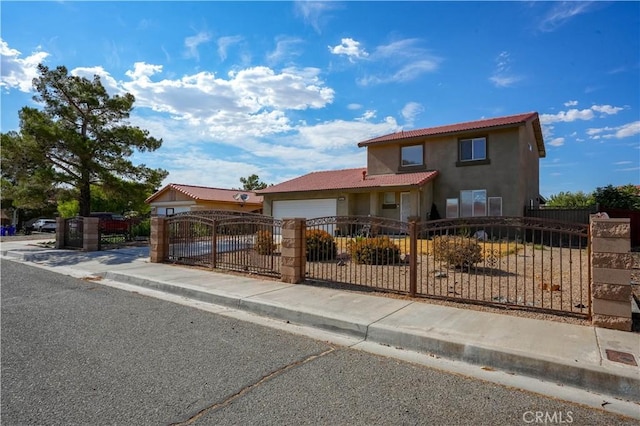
[212,205]
[175,199]
[172,195]
[513,172]
[363,203]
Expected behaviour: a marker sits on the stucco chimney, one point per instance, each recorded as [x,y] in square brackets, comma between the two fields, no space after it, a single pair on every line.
[364,174]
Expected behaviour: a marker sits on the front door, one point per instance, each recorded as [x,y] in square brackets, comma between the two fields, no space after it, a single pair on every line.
[405,206]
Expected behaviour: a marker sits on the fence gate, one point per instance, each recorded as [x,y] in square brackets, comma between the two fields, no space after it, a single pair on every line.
[245,243]
[74,232]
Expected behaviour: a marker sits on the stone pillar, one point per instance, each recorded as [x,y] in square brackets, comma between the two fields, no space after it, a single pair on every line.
[59,233]
[611,263]
[159,241]
[294,250]
[91,234]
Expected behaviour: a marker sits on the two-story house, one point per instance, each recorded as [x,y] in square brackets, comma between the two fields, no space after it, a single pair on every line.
[481,168]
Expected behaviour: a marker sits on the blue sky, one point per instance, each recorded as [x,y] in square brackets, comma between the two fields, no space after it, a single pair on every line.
[281,89]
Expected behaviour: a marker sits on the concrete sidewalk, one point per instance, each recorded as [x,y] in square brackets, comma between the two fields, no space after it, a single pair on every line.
[575,355]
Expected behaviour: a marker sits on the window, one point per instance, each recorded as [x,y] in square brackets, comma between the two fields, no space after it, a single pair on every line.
[412,156]
[473,149]
[473,203]
[452,208]
[389,198]
[495,206]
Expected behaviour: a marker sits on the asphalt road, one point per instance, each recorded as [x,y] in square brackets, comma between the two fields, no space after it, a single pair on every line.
[77,352]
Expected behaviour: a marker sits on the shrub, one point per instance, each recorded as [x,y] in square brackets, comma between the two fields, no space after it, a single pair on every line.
[374,251]
[456,251]
[264,242]
[142,229]
[320,245]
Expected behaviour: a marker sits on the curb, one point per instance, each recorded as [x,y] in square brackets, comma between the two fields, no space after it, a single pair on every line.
[605,381]
[334,325]
[626,387]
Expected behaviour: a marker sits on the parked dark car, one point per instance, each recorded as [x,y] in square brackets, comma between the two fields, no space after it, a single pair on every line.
[112,223]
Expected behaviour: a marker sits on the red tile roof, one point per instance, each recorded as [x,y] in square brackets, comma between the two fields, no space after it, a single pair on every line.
[507,121]
[348,179]
[205,193]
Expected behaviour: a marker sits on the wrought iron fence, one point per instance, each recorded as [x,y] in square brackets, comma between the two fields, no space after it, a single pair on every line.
[360,250]
[115,231]
[515,262]
[249,244]
[74,232]
[518,262]
[246,243]
[526,263]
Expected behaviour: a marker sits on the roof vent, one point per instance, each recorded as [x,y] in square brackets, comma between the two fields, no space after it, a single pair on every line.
[364,174]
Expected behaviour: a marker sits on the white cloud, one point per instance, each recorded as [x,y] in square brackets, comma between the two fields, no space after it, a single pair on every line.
[314,12]
[349,48]
[186,167]
[570,103]
[285,48]
[17,73]
[502,75]
[407,72]
[411,111]
[504,81]
[562,12]
[620,132]
[354,106]
[628,169]
[400,61]
[575,114]
[557,142]
[343,134]
[368,115]
[109,83]
[192,43]
[606,109]
[224,43]
[252,101]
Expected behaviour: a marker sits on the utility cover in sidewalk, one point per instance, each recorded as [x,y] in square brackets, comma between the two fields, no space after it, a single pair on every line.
[623,357]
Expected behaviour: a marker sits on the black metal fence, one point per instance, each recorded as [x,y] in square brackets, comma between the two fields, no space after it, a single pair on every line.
[515,262]
[246,243]
[525,263]
[518,262]
[359,250]
[74,232]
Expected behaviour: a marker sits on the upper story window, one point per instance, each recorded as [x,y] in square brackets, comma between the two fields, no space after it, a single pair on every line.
[473,149]
[412,155]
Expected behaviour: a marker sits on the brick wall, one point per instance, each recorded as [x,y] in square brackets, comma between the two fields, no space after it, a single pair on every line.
[611,263]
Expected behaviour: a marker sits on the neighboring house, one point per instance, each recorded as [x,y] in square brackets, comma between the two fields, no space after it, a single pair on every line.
[176,198]
[480,168]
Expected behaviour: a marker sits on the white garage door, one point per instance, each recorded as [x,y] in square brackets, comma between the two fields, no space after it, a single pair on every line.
[308,209]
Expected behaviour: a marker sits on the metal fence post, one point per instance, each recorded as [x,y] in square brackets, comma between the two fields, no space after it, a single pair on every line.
[413,258]
[214,244]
